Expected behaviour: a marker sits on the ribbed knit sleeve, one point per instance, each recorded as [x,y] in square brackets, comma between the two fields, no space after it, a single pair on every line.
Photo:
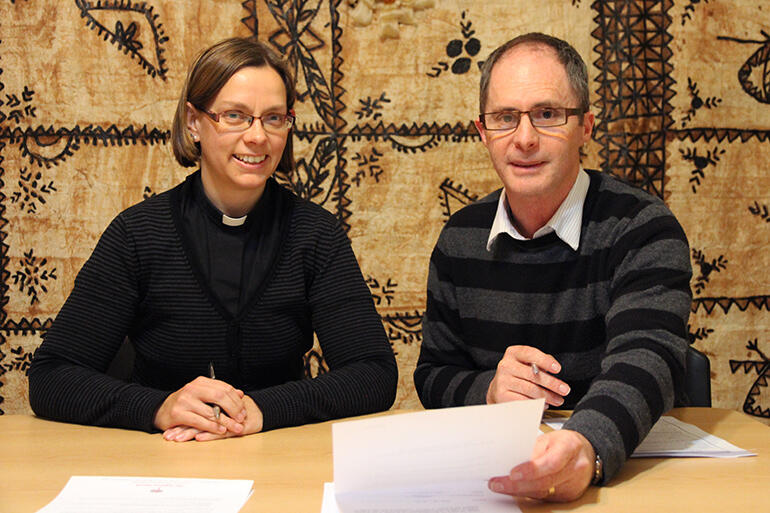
[446,374]
[642,367]
[66,378]
[363,375]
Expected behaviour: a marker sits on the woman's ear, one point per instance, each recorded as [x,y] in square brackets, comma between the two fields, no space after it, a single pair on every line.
[193,119]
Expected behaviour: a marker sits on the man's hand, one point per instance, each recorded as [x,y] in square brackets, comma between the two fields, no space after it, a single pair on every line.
[516,379]
[560,470]
[188,411]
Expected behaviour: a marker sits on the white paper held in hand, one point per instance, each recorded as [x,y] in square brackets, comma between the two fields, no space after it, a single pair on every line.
[429,449]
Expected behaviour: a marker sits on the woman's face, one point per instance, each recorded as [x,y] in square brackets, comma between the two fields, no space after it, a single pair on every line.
[236,164]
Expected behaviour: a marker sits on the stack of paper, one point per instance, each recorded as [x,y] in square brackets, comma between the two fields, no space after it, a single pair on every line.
[672,438]
[437,460]
[97,494]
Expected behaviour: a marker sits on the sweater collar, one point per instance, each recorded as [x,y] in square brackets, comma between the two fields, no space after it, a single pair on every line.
[566,221]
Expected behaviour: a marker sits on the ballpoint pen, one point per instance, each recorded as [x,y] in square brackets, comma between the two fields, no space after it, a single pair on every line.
[212,376]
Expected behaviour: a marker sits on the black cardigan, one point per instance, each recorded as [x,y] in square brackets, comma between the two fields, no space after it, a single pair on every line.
[139,282]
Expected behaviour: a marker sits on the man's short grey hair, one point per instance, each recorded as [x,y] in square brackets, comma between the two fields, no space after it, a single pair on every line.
[573,63]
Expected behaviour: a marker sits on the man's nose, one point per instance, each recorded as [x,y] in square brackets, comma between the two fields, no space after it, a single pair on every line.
[526,135]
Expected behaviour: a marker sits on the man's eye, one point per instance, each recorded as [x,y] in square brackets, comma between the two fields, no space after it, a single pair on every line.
[506,117]
[273,118]
[546,113]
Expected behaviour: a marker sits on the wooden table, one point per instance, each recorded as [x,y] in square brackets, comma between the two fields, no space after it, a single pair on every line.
[289,466]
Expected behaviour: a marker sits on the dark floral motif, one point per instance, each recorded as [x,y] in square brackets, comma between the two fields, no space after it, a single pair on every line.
[455,48]
[33,276]
[367,163]
[33,190]
[701,163]
[689,10]
[19,361]
[369,106]
[760,211]
[706,268]
[384,291]
[127,36]
[699,334]
[697,102]
[17,107]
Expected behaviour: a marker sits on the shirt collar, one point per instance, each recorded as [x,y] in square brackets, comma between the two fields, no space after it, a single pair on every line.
[220,219]
[566,221]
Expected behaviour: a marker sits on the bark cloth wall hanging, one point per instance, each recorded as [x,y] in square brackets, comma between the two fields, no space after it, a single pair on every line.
[681,91]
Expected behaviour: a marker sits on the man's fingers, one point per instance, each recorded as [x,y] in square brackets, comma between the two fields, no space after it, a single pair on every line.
[543,379]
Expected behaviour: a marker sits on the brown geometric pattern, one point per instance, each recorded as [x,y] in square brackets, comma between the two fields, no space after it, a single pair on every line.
[385,141]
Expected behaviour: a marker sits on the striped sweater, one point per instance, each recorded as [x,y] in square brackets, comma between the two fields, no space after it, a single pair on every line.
[139,282]
[614,313]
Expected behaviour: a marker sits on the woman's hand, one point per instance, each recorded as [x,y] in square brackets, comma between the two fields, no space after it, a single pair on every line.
[251,424]
[189,411]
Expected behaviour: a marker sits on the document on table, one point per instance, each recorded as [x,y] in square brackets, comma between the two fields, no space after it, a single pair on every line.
[92,494]
[435,460]
[672,438]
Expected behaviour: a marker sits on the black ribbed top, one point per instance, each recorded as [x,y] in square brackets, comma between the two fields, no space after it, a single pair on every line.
[139,282]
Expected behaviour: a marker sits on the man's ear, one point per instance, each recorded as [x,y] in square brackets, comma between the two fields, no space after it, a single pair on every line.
[480,129]
[588,126]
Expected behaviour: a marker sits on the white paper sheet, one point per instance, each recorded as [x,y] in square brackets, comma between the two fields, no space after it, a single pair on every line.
[406,462]
[458,498]
[97,494]
[672,438]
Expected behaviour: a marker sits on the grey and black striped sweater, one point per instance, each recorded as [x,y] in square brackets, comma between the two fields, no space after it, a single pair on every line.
[139,282]
[614,313]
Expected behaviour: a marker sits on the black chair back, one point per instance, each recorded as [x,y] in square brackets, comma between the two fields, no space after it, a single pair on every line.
[697,380]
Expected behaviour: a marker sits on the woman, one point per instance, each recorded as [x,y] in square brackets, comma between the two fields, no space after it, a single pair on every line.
[227,270]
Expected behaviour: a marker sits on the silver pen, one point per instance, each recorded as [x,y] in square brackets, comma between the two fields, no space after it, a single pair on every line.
[213,376]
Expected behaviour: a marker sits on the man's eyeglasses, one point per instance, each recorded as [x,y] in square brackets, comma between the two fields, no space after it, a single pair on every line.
[237,121]
[539,117]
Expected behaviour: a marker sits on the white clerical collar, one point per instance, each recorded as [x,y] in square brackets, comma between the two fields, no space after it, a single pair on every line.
[233,221]
[566,221]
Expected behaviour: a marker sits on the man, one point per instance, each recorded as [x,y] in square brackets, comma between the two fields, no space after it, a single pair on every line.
[565,284]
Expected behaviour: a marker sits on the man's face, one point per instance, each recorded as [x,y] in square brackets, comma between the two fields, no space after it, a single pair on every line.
[534,163]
